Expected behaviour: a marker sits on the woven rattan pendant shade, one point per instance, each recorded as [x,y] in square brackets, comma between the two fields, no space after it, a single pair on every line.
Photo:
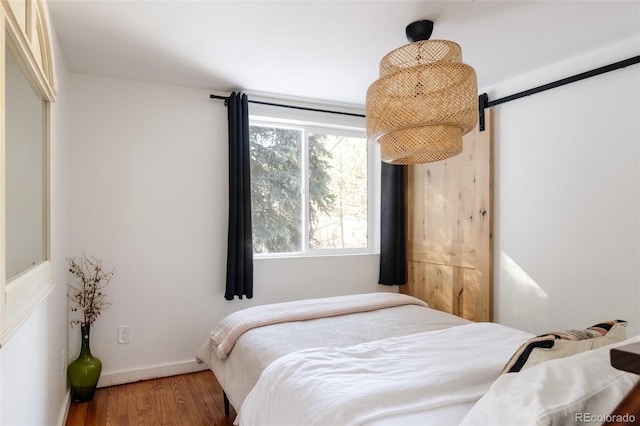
[423,103]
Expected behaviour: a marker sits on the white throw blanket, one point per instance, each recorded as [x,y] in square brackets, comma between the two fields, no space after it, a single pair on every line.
[373,380]
[227,332]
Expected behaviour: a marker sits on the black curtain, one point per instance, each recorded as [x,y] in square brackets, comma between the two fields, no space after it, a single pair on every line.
[393,255]
[239,244]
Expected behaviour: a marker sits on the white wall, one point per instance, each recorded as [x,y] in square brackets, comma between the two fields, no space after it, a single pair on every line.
[567,197]
[33,380]
[149,197]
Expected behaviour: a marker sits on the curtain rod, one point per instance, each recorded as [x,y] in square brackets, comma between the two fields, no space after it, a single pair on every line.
[226,98]
[484,102]
[483,99]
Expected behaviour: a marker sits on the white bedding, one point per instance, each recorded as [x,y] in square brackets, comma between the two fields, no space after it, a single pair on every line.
[428,368]
[259,347]
[563,391]
[373,381]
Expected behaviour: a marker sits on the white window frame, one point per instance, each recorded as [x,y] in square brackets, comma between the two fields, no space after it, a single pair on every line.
[24,29]
[327,126]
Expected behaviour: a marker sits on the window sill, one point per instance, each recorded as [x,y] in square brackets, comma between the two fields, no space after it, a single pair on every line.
[271,256]
[23,295]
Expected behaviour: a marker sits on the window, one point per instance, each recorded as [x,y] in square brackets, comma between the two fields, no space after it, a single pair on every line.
[311,188]
[26,272]
[25,181]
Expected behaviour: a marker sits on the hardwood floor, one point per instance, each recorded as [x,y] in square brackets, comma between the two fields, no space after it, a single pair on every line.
[187,400]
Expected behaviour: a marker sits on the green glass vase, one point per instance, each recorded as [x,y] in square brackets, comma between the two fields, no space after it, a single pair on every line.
[85,370]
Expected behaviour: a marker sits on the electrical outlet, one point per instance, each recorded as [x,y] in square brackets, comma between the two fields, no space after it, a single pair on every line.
[63,362]
[123,334]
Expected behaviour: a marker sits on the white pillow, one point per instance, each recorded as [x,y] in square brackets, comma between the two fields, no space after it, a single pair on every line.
[565,391]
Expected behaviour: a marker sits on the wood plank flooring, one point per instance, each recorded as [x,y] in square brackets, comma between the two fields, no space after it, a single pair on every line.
[187,400]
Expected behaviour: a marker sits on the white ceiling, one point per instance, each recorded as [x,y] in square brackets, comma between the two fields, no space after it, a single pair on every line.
[322,50]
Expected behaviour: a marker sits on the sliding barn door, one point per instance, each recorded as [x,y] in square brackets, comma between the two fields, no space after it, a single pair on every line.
[449,230]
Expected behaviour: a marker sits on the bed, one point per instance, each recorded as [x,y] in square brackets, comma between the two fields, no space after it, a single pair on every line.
[383,359]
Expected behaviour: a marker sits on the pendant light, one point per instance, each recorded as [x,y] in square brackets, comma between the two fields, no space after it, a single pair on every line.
[425,100]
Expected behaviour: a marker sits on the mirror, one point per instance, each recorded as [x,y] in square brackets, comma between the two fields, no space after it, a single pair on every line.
[25,172]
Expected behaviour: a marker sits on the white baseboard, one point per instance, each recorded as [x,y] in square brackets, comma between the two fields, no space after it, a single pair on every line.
[64,412]
[154,372]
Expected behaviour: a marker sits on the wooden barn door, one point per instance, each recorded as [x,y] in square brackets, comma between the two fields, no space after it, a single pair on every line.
[449,230]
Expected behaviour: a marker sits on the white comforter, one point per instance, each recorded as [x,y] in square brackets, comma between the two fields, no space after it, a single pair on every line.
[358,384]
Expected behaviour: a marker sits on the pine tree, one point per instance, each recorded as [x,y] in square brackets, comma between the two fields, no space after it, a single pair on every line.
[276,186]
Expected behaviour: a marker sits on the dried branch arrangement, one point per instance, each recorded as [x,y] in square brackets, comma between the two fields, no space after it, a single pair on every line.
[88,296]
